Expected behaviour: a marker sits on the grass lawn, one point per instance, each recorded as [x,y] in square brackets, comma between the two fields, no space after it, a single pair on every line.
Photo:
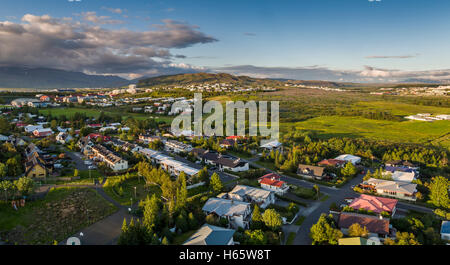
[300,220]
[180,239]
[60,214]
[96,112]
[128,191]
[268,165]
[290,238]
[354,127]
[324,198]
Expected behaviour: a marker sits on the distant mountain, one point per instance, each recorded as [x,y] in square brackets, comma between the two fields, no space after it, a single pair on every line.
[424,81]
[23,77]
[200,78]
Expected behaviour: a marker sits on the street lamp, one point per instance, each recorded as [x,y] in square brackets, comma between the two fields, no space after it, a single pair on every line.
[131,204]
[135,193]
[6,195]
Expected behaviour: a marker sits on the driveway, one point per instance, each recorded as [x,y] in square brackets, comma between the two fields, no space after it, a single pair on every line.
[77,159]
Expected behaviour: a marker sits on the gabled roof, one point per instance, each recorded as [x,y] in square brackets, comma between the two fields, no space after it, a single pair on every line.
[224,207]
[373,203]
[395,186]
[254,193]
[311,170]
[271,179]
[372,223]
[211,235]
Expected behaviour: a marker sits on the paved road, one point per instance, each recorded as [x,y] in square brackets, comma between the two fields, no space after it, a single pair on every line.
[336,195]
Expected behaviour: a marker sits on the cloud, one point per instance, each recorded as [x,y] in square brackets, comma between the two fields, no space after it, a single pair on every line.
[391,57]
[367,74]
[92,17]
[45,41]
[114,10]
[249,34]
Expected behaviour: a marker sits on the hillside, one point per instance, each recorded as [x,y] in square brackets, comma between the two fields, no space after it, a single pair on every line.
[22,77]
[199,78]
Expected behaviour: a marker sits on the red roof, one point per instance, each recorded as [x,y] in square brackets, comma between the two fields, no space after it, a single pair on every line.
[96,135]
[373,223]
[235,137]
[95,125]
[20,124]
[272,180]
[373,203]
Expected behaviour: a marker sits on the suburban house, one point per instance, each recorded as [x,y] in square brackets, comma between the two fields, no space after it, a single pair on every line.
[63,138]
[115,162]
[177,147]
[377,226]
[231,164]
[223,162]
[211,235]
[374,204]
[237,213]
[227,143]
[273,145]
[445,230]
[401,164]
[350,158]
[147,138]
[332,163]
[311,172]
[396,189]
[35,165]
[175,167]
[272,182]
[243,193]
[42,132]
[403,176]
[32,128]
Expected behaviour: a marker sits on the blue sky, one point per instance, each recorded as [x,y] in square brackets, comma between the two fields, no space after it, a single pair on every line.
[337,35]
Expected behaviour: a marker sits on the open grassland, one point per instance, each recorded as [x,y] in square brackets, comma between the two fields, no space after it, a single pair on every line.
[60,214]
[95,113]
[405,131]
[401,109]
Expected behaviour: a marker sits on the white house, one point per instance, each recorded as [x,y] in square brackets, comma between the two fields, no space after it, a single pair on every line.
[236,212]
[243,193]
[63,138]
[350,158]
[272,182]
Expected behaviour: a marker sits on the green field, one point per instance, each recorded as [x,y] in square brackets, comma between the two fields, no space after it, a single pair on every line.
[405,132]
[401,109]
[96,112]
[60,214]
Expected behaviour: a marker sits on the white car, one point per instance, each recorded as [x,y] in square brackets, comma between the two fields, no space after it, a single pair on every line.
[92,167]
[88,162]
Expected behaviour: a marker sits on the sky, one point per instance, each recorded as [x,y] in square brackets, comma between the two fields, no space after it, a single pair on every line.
[337,40]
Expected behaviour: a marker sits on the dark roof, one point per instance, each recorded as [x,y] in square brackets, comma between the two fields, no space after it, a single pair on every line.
[372,223]
[311,170]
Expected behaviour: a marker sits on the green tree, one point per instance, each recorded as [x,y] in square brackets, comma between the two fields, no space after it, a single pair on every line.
[324,232]
[216,183]
[349,170]
[3,170]
[25,186]
[151,212]
[439,191]
[182,192]
[355,230]
[256,237]
[272,219]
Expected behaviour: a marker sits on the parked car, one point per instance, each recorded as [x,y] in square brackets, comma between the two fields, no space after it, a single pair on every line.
[92,167]
[88,162]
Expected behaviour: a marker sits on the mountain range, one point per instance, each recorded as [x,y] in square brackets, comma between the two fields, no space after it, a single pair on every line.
[23,77]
